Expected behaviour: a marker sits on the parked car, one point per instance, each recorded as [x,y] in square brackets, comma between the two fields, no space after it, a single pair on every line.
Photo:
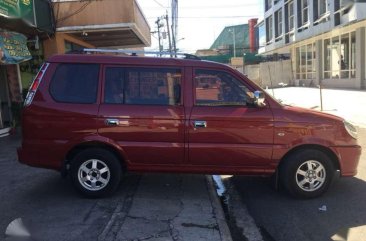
[95,117]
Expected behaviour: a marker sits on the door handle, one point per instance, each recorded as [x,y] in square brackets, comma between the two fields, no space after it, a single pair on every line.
[111,122]
[200,124]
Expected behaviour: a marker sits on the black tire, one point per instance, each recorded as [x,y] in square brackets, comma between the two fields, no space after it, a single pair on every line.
[102,179]
[304,182]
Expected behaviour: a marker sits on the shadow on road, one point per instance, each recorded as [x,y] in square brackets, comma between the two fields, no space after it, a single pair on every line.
[286,218]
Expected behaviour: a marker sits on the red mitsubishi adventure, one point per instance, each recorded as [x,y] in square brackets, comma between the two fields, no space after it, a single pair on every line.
[97,116]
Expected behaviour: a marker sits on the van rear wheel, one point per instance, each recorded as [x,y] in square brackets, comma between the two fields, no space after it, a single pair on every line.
[307,173]
[96,172]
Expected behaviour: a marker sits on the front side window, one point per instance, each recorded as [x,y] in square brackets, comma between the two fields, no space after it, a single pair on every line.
[75,83]
[218,88]
[142,86]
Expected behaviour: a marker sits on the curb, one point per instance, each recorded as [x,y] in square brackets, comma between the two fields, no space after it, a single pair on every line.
[218,211]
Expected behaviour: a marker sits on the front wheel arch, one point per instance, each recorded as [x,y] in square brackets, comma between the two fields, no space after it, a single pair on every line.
[325,150]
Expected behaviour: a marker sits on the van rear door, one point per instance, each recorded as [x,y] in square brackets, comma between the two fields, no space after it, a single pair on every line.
[142,111]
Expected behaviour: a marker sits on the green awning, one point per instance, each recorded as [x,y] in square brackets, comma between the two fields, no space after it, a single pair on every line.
[29,17]
[18,9]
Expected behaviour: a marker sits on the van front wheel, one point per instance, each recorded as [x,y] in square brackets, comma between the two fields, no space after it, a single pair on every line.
[307,173]
[96,172]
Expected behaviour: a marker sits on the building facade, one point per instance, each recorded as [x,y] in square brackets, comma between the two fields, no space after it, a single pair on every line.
[97,24]
[33,30]
[23,26]
[325,39]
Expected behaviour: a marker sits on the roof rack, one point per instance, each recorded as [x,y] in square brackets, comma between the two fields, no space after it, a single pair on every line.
[136,52]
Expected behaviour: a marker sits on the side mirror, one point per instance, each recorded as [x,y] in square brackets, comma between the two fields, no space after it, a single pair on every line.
[259,98]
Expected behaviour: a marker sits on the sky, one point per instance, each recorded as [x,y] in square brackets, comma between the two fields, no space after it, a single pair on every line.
[200,21]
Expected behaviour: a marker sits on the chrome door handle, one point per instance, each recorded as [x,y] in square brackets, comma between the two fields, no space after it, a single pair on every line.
[112,122]
[200,124]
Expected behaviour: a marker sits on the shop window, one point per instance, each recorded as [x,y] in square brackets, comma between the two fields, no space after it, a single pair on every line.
[305,62]
[142,86]
[339,57]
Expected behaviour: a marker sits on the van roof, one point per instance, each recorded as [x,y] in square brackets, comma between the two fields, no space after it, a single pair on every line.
[131,60]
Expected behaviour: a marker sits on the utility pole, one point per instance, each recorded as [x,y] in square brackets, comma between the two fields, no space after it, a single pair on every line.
[168,29]
[159,38]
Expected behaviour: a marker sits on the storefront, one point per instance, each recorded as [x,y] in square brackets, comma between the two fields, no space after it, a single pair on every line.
[23,25]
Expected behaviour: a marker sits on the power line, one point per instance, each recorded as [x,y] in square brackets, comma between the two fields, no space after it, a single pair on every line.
[213,7]
[213,17]
[161,5]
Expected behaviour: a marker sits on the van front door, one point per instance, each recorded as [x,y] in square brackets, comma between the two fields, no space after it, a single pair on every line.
[225,129]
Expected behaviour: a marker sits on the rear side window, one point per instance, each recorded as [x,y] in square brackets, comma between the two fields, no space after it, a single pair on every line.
[142,86]
[75,83]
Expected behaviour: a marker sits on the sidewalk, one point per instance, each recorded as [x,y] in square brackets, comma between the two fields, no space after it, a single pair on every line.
[348,104]
[169,207]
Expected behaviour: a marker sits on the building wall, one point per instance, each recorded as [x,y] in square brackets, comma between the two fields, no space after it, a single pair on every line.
[328,49]
[57,44]
[270,74]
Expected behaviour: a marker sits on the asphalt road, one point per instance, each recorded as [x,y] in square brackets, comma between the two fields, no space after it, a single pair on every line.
[151,207]
[286,219]
[48,204]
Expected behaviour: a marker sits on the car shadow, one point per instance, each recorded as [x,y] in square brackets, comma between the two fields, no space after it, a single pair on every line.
[338,211]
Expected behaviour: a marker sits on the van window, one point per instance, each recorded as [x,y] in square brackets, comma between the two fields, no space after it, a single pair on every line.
[218,88]
[75,83]
[142,86]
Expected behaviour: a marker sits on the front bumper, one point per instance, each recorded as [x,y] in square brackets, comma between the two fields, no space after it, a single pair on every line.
[349,157]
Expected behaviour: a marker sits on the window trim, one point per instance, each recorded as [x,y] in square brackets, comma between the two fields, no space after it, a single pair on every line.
[102,92]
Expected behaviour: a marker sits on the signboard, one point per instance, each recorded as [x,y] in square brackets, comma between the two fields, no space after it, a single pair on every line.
[21,9]
[13,48]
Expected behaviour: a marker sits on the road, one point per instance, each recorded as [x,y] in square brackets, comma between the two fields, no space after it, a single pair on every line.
[169,207]
[286,219]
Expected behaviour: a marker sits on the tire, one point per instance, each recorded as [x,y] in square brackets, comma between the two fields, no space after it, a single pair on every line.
[96,172]
[307,173]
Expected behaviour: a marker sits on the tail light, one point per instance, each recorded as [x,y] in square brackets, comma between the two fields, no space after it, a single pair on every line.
[36,82]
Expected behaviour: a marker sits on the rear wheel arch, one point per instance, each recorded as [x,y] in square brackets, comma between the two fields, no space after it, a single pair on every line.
[94,144]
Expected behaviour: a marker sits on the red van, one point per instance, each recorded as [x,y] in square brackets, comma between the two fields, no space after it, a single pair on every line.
[96,116]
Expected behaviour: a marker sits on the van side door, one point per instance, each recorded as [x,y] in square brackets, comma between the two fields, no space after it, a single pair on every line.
[142,111]
[225,129]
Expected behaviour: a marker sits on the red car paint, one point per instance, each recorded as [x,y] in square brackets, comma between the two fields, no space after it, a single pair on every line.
[237,140]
